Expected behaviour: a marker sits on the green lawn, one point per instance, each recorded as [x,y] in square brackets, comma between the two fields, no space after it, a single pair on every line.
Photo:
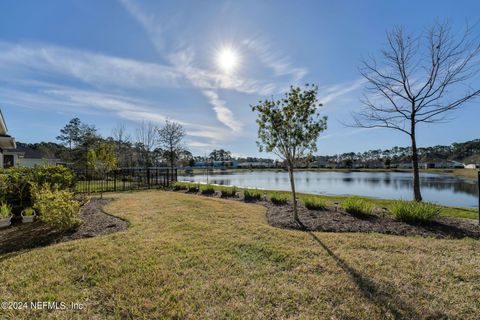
[191,257]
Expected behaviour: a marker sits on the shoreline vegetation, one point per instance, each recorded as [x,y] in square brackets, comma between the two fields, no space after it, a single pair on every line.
[331,200]
[470,174]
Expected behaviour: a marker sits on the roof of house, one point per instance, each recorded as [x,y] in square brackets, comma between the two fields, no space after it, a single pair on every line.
[3,126]
[27,152]
[6,141]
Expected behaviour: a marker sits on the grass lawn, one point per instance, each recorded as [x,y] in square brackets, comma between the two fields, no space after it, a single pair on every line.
[186,256]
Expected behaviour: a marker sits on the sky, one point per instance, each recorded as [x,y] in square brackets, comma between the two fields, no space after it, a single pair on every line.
[203,63]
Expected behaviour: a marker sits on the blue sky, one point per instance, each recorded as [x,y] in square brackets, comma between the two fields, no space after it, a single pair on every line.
[111,62]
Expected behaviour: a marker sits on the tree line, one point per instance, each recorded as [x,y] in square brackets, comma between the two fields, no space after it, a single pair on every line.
[82,147]
[461,152]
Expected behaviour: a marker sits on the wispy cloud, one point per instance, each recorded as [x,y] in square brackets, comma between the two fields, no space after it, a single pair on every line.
[148,22]
[224,114]
[91,68]
[280,64]
[200,145]
[51,97]
[329,94]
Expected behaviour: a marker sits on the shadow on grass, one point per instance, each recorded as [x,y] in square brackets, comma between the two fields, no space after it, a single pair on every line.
[28,236]
[387,300]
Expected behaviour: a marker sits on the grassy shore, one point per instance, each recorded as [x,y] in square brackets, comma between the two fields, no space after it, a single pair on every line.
[464,173]
[191,257]
[454,212]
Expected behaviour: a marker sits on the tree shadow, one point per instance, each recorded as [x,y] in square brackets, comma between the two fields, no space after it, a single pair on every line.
[387,300]
[28,236]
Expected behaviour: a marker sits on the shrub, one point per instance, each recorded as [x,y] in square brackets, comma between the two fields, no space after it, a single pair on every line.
[5,210]
[207,189]
[15,183]
[252,195]
[412,211]
[56,207]
[357,206]
[59,176]
[278,198]
[228,191]
[314,203]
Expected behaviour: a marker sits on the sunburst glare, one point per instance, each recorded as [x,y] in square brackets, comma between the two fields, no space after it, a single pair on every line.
[228,59]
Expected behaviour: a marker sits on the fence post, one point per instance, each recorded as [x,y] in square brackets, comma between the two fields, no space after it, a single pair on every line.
[148,178]
[114,180]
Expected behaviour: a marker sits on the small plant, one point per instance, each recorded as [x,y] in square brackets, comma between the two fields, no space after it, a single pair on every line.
[252,195]
[278,199]
[180,186]
[314,203]
[28,212]
[207,189]
[413,211]
[193,187]
[5,210]
[357,206]
[228,192]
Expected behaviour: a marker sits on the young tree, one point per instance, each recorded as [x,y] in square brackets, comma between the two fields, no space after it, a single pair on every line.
[146,136]
[91,159]
[419,80]
[290,127]
[106,157]
[170,138]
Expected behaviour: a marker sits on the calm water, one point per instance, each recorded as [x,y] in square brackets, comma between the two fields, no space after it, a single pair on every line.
[438,188]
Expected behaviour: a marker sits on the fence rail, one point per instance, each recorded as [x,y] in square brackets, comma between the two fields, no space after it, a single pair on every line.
[125,179]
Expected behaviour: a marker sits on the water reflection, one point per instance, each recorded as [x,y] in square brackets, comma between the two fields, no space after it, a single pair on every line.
[439,188]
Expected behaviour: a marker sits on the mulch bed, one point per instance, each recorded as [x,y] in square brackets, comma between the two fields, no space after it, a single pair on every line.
[96,222]
[330,220]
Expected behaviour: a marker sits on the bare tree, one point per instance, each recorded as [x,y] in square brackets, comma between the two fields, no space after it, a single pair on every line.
[120,133]
[419,80]
[170,138]
[146,138]
[122,140]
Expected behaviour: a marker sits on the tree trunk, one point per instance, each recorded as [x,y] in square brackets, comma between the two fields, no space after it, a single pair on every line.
[416,175]
[294,195]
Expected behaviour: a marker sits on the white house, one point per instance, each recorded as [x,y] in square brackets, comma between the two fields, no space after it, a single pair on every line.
[6,143]
[27,157]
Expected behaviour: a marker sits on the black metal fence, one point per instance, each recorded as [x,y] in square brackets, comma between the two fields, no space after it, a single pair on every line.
[125,179]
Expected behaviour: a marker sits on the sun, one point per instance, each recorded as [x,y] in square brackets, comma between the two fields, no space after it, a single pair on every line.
[227,59]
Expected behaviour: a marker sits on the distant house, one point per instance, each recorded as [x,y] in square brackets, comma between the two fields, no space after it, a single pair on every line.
[216,164]
[442,165]
[6,143]
[27,157]
[405,165]
[255,165]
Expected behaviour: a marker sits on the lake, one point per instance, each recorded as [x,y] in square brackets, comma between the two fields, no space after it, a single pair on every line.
[438,188]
